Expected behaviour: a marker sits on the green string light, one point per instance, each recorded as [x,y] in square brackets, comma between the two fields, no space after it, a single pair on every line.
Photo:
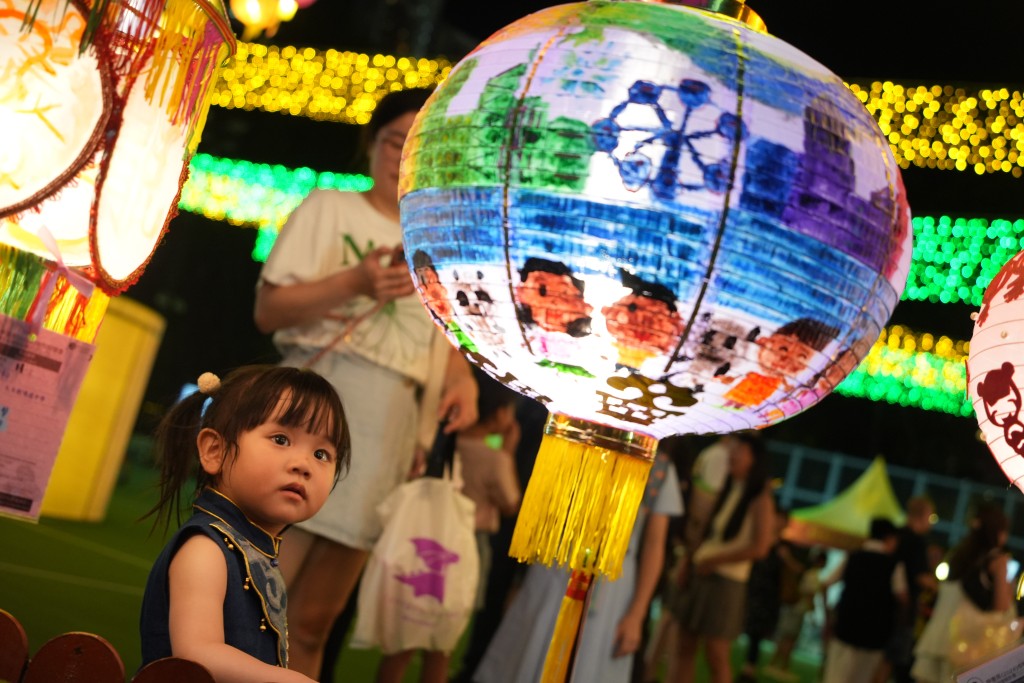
[918,379]
[262,195]
[956,258]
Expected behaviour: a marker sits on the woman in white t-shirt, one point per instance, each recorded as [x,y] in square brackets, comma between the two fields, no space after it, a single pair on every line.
[711,602]
[339,297]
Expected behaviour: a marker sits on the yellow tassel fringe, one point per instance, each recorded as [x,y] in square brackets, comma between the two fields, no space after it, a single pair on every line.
[183,25]
[579,507]
[178,78]
[567,628]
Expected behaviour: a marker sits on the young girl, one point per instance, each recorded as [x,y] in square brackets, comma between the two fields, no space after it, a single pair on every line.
[270,443]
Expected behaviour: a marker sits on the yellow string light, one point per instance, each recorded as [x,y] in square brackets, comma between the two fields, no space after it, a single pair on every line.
[920,370]
[949,128]
[927,126]
[328,85]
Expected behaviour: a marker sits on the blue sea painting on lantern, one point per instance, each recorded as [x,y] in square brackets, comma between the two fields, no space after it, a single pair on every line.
[647,236]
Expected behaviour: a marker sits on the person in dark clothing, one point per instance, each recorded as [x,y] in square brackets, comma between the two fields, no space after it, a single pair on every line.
[873,583]
[912,553]
[764,596]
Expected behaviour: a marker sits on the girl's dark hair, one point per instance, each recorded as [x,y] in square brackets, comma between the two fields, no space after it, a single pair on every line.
[757,480]
[245,399]
[989,523]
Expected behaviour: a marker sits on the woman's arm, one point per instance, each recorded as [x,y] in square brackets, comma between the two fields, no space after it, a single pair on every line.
[378,275]
[649,566]
[458,397]
[198,583]
[1002,591]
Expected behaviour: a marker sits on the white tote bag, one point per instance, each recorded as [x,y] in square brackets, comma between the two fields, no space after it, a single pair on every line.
[420,582]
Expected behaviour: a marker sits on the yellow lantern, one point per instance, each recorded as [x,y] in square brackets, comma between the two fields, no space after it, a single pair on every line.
[262,16]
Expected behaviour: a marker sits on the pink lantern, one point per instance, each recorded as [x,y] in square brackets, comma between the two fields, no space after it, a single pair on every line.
[995,368]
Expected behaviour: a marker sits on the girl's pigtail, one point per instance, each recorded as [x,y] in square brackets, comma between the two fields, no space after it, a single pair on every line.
[176,451]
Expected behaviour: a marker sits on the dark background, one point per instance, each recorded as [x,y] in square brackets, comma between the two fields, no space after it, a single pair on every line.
[202,278]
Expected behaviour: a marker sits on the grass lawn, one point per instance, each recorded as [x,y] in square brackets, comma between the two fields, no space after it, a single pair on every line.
[58,576]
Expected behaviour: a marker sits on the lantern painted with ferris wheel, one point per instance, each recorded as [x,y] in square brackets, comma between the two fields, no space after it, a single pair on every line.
[655,219]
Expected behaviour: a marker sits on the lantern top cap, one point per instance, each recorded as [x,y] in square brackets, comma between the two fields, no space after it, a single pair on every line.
[734,9]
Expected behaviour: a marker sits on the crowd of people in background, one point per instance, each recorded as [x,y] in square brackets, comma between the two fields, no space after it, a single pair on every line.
[709,564]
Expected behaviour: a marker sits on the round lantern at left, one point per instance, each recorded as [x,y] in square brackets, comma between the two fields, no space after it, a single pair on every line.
[101,115]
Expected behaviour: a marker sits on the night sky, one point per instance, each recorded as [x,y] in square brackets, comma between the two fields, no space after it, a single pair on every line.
[202,278]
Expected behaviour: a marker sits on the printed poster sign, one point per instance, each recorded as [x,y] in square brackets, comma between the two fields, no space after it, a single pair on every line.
[40,376]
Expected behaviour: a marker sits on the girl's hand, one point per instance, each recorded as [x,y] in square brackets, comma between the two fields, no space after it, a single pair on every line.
[387,278]
[682,573]
[627,635]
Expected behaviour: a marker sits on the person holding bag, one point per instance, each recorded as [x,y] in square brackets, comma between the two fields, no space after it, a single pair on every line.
[419,587]
[403,608]
[976,597]
[340,299]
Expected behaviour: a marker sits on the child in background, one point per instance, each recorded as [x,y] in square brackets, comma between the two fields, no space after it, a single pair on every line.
[791,618]
[486,465]
[270,443]
[486,470]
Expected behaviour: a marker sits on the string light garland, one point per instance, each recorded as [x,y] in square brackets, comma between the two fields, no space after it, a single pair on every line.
[246,193]
[949,128]
[913,370]
[328,85]
[956,258]
[927,126]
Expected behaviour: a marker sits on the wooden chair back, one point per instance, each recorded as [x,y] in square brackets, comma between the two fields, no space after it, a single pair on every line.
[13,648]
[173,670]
[75,658]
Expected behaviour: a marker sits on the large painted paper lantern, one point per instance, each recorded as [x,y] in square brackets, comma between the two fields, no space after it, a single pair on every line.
[995,368]
[656,220]
[101,106]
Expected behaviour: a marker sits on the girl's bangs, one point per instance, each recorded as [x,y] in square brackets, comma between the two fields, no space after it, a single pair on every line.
[315,410]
